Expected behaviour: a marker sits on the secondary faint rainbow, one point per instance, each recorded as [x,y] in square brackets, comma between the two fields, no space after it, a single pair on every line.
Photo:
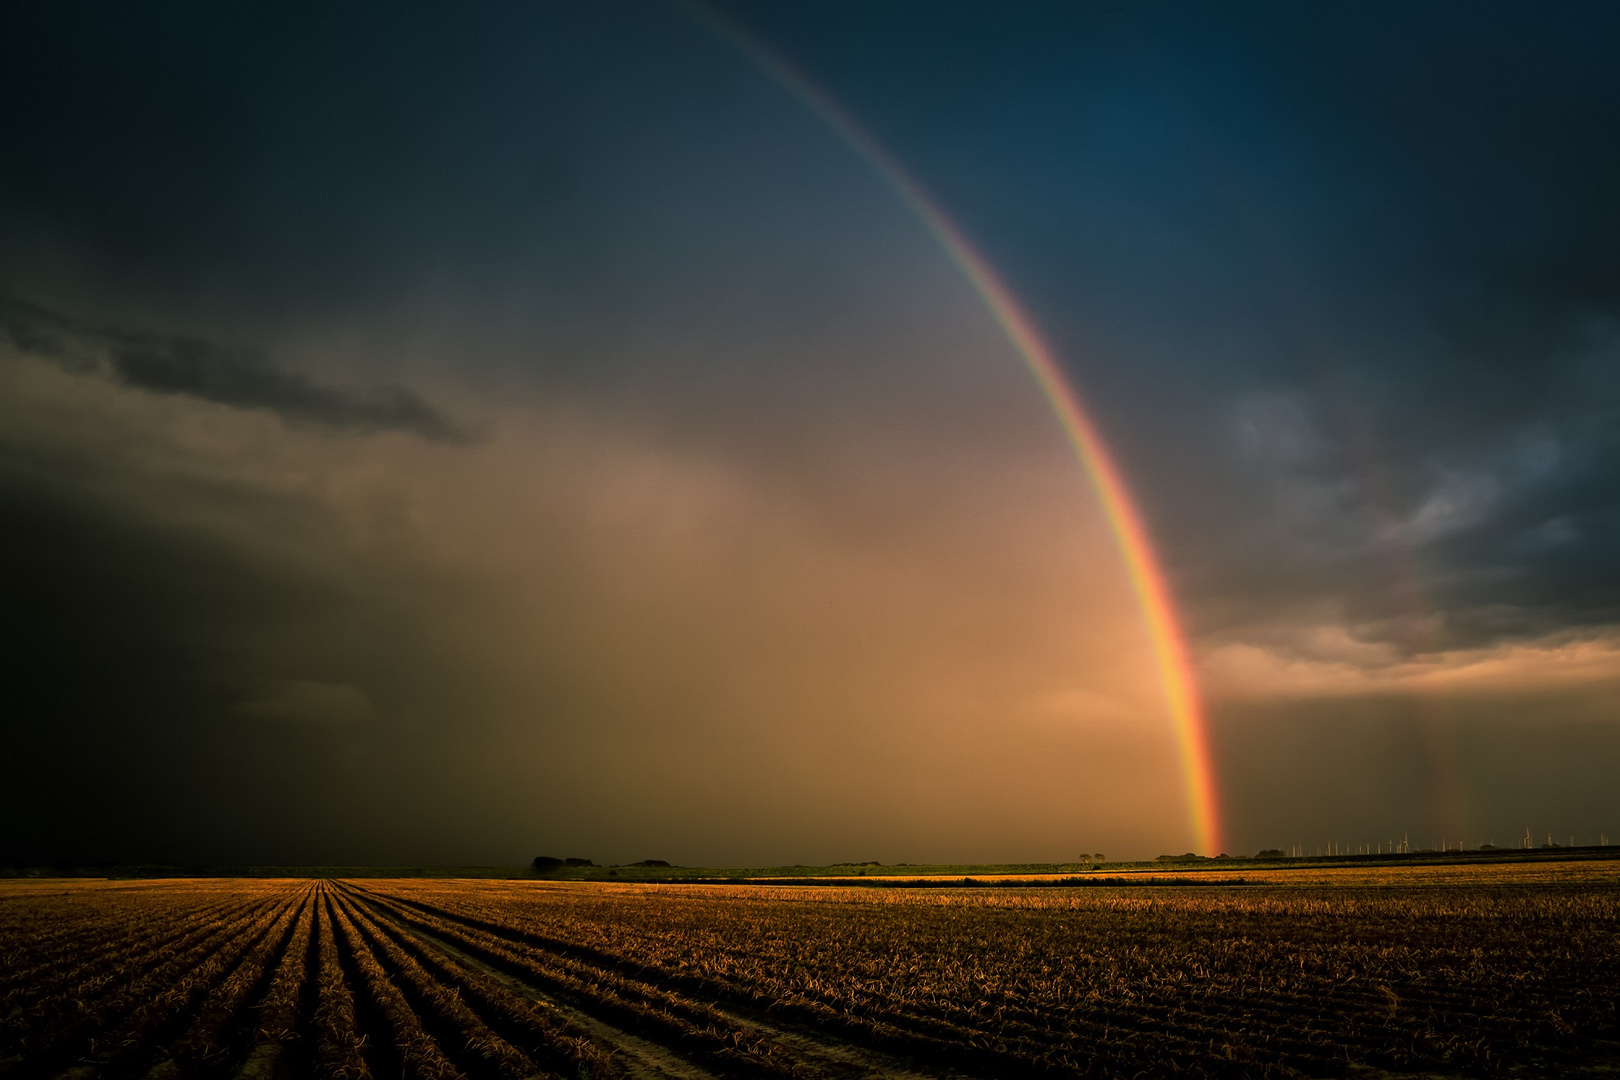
[1141,564]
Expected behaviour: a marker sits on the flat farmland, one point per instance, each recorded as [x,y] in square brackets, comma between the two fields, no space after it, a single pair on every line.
[1471,971]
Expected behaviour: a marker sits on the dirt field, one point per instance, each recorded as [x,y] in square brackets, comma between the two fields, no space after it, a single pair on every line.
[1465,971]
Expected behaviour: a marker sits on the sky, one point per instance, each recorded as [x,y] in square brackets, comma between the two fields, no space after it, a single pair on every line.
[448,437]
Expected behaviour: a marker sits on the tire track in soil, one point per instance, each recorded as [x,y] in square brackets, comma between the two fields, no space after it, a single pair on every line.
[644,1059]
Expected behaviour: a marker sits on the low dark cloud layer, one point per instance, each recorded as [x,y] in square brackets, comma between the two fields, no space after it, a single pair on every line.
[238,377]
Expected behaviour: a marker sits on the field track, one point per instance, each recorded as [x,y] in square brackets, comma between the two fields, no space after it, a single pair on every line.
[1486,974]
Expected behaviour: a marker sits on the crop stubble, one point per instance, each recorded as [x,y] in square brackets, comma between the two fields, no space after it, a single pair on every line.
[487,980]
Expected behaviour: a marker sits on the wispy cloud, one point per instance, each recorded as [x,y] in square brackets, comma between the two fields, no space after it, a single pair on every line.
[1245,670]
[240,378]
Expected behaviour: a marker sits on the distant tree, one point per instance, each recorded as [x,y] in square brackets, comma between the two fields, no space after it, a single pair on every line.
[545,862]
[650,862]
[578,862]
[1271,853]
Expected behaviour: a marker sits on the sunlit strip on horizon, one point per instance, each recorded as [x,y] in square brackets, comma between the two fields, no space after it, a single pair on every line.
[1147,580]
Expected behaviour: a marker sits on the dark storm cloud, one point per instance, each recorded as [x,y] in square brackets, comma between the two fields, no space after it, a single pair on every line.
[266,158]
[239,378]
[1339,283]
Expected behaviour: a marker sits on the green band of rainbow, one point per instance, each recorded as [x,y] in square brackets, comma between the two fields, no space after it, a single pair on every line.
[1147,580]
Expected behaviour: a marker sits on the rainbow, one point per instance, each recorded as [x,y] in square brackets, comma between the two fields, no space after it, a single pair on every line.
[1147,579]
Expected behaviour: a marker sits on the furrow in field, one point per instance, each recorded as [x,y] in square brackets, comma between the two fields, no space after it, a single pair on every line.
[218,1019]
[36,959]
[808,1050]
[630,1055]
[338,1053]
[460,1033]
[550,1038]
[112,936]
[506,980]
[119,956]
[872,1024]
[992,1037]
[808,1055]
[98,1004]
[695,1029]
[168,997]
[421,1056]
[278,1027]
[1074,1035]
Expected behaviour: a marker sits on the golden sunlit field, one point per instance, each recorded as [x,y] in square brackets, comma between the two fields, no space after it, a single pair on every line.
[1490,970]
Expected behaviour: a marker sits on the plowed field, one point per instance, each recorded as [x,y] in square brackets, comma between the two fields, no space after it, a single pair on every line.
[494,980]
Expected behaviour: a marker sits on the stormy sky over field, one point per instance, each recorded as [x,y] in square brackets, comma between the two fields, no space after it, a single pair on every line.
[429,436]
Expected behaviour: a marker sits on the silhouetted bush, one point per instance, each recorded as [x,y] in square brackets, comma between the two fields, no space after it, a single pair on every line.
[545,862]
[578,862]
